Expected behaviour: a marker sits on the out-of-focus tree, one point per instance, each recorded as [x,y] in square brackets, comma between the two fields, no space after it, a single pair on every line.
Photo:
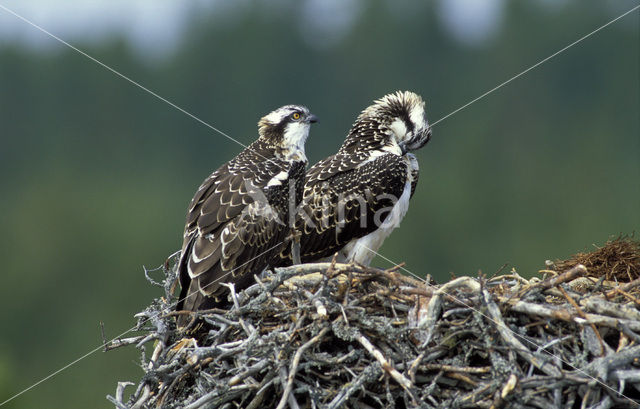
[96,173]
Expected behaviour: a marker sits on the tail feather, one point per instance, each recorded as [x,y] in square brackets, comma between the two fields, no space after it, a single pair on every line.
[191,299]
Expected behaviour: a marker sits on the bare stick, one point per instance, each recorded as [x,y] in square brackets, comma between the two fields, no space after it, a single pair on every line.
[577,271]
[385,364]
[294,366]
[565,315]
[435,304]
[512,341]
[583,315]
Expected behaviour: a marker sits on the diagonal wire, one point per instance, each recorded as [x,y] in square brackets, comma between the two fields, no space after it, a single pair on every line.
[541,348]
[232,139]
[101,346]
[119,74]
[534,66]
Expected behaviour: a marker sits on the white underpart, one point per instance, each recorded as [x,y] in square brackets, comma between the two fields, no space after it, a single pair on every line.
[364,249]
[295,136]
[278,178]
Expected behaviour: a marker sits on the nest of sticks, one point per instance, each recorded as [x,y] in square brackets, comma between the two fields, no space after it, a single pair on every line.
[333,336]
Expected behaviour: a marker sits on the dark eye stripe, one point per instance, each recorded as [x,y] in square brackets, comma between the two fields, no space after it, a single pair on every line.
[410,125]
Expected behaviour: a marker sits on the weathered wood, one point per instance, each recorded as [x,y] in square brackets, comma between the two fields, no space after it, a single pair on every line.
[330,335]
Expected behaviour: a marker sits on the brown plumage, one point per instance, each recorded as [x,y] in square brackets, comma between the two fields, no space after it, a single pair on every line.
[238,219]
[354,199]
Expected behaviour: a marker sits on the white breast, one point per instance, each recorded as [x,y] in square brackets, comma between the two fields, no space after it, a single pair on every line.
[295,135]
[364,249]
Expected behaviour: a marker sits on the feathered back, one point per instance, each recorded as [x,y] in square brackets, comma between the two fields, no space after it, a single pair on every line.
[239,217]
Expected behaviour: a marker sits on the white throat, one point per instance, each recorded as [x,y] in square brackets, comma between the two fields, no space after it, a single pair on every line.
[295,136]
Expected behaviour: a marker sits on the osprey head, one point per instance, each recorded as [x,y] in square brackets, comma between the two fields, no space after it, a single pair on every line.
[287,128]
[396,121]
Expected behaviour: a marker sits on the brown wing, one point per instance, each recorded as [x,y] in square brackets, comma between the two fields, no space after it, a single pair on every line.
[231,232]
[332,166]
[346,204]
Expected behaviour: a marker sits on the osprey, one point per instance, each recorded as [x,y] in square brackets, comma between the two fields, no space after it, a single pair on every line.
[238,218]
[355,198]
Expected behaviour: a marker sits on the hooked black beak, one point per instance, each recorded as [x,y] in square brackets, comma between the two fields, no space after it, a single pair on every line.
[312,118]
[415,144]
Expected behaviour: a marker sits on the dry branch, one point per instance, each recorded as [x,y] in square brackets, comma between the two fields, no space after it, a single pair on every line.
[341,336]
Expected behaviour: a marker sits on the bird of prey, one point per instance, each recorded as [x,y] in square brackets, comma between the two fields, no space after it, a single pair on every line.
[354,199]
[238,219]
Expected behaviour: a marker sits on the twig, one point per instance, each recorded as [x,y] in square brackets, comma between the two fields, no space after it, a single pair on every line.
[386,365]
[577,271]
[263,388]
[228,395]
[120,395]
[600,367]
[331,335]
[121,342]
[512,341]
[564,315]
[367,374]
[584,316]
[434,307]
[625,287]
[294,366]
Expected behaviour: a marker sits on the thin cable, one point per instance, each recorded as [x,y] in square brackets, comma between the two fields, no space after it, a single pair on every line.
[51,375]
[534,66]
[241,144]
[172,105]
[116,72]
[101,346]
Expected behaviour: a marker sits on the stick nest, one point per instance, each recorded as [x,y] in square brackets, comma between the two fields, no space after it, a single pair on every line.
[333,335]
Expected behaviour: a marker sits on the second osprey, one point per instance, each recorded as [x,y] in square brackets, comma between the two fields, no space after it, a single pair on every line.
[355,198]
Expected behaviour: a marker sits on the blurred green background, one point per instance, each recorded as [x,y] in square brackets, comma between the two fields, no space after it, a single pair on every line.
[96,174]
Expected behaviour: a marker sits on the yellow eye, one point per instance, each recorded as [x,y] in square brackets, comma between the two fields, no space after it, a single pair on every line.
[296,115]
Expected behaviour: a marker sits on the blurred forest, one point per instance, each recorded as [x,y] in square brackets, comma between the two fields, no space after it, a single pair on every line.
[97,174]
